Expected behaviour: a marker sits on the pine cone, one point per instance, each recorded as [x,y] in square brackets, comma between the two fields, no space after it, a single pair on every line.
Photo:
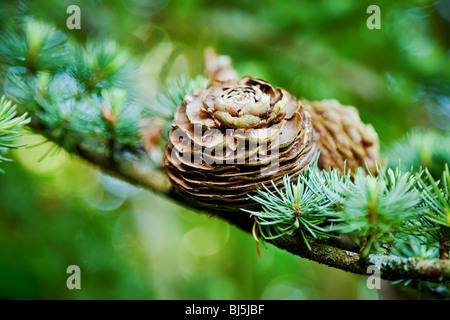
[342,137]
[231,137]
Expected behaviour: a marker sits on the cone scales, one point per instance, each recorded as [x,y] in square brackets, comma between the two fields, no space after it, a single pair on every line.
[230,138]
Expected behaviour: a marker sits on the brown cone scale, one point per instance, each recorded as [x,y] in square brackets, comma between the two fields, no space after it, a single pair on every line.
[342,137]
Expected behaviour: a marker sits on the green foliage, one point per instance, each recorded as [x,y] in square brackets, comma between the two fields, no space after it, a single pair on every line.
[422,149]
[298,207]
[172,96]
[114,120]
[10,124]
[101,64]
[377,212]
[436,219]
[34,46]
[80,93]
[376,209]
[437,198]
[406,214]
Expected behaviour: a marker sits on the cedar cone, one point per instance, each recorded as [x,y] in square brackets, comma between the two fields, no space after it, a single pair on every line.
[229,139]
[342,137]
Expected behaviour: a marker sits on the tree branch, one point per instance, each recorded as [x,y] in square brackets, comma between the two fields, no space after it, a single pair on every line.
[140,172]
[391,267]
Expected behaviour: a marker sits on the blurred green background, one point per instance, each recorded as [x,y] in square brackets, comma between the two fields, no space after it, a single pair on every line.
[132,244]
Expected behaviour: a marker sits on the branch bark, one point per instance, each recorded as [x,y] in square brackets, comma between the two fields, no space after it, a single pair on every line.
[142,173]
